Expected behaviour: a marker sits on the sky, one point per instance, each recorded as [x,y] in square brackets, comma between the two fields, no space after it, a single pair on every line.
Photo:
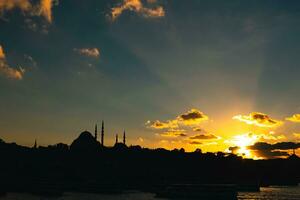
[210,74]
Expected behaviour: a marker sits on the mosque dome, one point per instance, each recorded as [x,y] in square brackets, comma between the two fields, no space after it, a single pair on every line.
[85,142]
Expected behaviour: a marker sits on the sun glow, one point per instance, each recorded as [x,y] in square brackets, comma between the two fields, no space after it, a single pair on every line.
[243,141]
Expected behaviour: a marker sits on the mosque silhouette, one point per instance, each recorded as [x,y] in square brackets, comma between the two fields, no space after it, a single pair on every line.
[87,142]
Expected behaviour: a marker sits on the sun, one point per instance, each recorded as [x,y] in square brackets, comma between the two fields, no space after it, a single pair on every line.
[243,141]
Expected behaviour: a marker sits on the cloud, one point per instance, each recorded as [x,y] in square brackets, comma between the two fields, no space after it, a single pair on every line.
[199,138]
[172,127]
[294,118]
[258,119]
[162,125]
[7,5]
[90,52]
[266,150]
[138,7]
[265,137]
[42,8]
[234,149]
[195,142]
[174,133]
[203,137]
[197,129]
[6,70]
[276,146]
[45,9]
[271,154]
[2,55]
[192,117]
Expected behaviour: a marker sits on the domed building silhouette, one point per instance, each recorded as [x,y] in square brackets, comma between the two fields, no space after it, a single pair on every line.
[85,142]
[120,146]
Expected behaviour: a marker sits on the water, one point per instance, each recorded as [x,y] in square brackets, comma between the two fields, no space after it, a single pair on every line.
[268,193]
[272,193]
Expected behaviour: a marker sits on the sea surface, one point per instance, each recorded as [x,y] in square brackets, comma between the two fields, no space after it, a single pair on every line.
[266,193]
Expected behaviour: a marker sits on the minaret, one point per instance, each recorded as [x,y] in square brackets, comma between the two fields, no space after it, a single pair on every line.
[102,133]
[35,144]
[117,139]
[96,132]
[124,138]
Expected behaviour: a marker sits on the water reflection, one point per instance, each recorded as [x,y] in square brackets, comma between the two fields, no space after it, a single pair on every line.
[268,193]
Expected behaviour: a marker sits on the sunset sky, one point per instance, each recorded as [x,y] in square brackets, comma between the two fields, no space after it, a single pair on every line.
[210,74]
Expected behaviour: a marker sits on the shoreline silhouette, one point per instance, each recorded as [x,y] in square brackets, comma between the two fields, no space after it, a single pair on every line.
[87,165]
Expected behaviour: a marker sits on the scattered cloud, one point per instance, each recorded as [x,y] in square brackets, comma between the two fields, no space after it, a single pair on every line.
[162,125]
[6,70]
[199,138]
[294,118]
[258,119]
[197,129]
[174,133]
[2,55]
[195,142]
[45,9]
[271,154]
[266,150]
[203,137]
[265,137]
[7,5]
[138,7]
[276,146]
[181,125]
[42,8]
[234,149]
[90,52]
[192,117]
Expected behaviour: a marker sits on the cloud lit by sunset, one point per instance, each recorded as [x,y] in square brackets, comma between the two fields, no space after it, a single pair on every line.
[258,119]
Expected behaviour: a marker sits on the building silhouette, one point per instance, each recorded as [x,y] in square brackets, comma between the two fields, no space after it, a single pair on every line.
[124,137]
[117,139]
[35,144]
[102,133]
[96,132]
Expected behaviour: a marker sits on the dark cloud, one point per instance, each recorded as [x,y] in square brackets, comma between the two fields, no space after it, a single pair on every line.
[195,142]
[192,117]
[234,149]
[258,119]
[276,146]
[197,129]
[266,150]
[203,137]
[271,154]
